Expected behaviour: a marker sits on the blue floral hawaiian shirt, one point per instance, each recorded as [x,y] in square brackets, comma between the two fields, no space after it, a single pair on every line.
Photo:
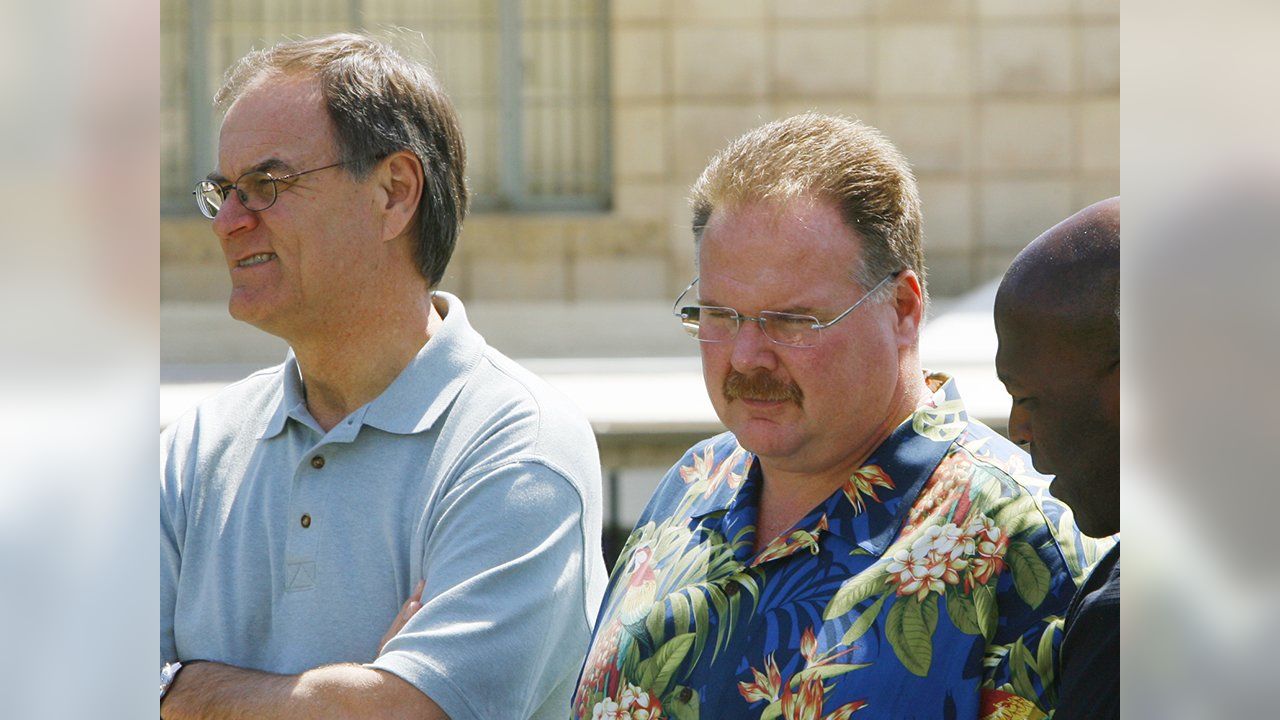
[932,585]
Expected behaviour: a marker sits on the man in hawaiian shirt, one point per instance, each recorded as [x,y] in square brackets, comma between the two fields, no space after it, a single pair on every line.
[1057,316]
[855,543]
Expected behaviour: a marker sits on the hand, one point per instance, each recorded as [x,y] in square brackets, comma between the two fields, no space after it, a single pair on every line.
[411,606]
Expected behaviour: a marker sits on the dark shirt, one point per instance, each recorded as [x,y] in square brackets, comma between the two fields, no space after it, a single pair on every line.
[1090,676]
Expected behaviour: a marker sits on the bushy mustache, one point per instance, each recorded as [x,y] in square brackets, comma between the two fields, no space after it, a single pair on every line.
[761,386]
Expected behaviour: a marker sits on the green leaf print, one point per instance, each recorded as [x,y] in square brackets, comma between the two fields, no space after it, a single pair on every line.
[1030,576]
[656,672]
[962,611]
[681,703]
[1017,516]
[656,622]
[988,614]
[630,665]
[910,628]
[864,621]
[680,610]
[701,620]
[825,671]
[1019,662]
[1044,661]
[854,591]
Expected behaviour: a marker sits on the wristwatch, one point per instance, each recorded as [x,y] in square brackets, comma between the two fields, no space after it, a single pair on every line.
[167,675]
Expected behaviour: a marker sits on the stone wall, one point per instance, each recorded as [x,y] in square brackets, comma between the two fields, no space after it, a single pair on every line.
[1007,109]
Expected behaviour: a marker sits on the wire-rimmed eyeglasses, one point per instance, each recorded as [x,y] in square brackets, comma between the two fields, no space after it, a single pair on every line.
[257,190]
[713,324]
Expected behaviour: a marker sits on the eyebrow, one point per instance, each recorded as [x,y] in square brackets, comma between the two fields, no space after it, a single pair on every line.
[801,310]
[265,166]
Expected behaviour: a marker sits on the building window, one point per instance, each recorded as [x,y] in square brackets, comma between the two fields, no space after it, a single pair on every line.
[528,78]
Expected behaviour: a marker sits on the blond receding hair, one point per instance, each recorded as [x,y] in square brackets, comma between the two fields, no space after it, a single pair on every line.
[829,159]
[380,103]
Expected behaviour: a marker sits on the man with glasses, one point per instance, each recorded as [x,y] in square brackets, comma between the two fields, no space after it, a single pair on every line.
[397,521]
[855,543]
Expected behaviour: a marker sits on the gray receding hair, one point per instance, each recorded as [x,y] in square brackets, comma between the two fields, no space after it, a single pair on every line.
[380,103]
[832,159]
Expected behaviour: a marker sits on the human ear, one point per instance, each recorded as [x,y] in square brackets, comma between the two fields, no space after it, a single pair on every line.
[908,304]
[400,183]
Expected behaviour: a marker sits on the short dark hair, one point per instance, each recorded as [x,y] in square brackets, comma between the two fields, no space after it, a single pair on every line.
[380,103]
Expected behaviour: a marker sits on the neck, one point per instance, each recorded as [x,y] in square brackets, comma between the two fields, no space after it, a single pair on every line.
[354,361]
[788,494]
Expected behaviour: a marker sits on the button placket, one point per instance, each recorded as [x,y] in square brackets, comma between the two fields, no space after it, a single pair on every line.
[302,531]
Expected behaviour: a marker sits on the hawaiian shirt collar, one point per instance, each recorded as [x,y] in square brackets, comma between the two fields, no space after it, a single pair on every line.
[416,398]
[872,506]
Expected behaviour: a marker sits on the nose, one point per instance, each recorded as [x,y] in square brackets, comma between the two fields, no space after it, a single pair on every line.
[233,217]
[1020,426]
[752,350]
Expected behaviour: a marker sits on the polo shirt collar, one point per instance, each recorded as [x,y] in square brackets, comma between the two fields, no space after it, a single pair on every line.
[419,395]
[289,398]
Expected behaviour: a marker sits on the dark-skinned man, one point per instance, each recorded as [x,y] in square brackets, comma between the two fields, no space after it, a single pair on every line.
[1057,315]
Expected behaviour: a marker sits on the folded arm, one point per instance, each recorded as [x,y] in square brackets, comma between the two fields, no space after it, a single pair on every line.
[212,691]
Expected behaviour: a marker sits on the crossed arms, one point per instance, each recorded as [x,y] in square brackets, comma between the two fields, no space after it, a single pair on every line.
[498,632]
[213,691]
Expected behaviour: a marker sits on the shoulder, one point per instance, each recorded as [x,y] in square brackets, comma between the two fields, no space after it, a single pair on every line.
[223,428]
[719,452]
[1004,477]
[518,417]
[1098,601]
[1004,503]
[1009,467]
[239,409]
[706,476]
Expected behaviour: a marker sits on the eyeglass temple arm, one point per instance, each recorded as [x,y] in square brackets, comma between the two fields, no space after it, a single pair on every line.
[872,291]
[675,306]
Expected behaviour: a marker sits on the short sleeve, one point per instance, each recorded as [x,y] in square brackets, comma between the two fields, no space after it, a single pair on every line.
[503,627]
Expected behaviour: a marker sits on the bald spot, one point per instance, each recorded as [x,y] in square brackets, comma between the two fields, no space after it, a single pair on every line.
[1069,279]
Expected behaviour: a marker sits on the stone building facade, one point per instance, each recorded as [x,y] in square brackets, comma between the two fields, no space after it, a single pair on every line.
[1007,109]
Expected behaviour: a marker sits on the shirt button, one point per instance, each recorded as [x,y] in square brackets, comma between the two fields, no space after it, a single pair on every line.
[731,589]
[317,462]
[306,520]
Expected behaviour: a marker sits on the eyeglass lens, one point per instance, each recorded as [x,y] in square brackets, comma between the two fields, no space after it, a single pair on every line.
[256,190]
[712,324]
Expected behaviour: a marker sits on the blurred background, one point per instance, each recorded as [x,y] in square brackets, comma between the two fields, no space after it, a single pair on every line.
[586,121]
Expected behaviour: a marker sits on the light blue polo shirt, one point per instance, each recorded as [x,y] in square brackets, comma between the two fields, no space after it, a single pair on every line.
[283,547]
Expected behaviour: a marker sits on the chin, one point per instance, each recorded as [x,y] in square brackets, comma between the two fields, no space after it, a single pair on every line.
[768,445]
[254,314]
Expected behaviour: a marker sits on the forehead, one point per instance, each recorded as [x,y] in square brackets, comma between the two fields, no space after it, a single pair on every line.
[281,117]
[801,247]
